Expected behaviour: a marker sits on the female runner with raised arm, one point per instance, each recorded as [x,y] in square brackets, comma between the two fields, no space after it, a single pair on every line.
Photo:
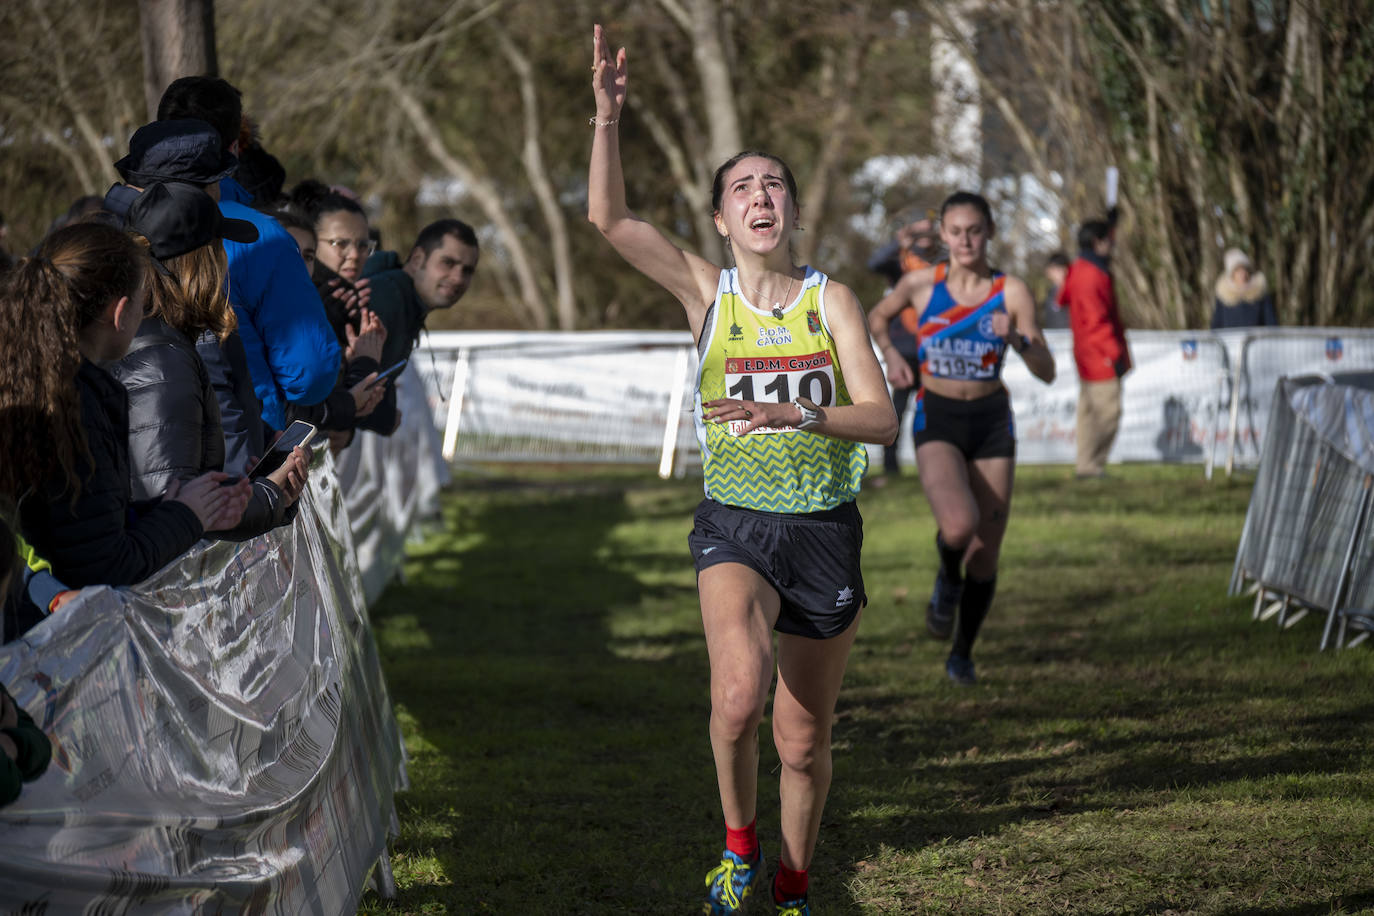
[787,390]
[963,431]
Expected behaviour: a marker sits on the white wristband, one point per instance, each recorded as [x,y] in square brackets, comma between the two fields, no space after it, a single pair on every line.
[809,415]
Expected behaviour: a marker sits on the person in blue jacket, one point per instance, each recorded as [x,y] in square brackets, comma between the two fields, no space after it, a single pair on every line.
[289,347]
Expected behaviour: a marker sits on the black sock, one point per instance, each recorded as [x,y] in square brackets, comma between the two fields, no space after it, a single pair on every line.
[973,608]
[951,560]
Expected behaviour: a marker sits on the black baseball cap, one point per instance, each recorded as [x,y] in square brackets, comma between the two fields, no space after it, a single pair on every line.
[176,217]
[183,150]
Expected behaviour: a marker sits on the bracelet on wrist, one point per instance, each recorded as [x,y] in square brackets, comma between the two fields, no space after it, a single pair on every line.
[596,122]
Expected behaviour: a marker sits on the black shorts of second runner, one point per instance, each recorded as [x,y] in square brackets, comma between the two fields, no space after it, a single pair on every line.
[811,559]
[980,428]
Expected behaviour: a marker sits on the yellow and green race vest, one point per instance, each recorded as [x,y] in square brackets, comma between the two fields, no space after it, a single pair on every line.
[748,353]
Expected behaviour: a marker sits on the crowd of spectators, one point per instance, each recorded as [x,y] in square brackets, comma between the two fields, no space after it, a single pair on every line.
[163,337]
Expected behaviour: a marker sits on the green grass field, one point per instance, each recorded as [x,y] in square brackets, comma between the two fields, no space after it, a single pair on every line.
[1136,745]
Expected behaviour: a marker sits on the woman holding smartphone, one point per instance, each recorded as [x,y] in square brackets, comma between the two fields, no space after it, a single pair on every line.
[788,389]
[64,452]
[174,420]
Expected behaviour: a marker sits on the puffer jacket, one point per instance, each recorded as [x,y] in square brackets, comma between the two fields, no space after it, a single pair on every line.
[1243,306]
[174,424]
[105,537]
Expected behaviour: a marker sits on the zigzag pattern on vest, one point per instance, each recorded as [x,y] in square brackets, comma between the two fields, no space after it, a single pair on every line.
[740,476]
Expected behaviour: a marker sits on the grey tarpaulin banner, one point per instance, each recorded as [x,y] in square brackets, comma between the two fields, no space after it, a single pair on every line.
[222,736]
[391,483]
[1342,415]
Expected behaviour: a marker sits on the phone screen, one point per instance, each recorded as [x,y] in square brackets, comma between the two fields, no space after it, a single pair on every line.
[298,433]
[391,370]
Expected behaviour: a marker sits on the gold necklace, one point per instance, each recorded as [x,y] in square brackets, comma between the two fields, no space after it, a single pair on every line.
[777,305]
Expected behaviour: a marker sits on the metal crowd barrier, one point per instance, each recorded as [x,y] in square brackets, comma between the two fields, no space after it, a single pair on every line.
[1308,540]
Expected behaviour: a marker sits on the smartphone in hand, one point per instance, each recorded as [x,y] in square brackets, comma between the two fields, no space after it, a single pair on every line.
[298,433]
[390,371]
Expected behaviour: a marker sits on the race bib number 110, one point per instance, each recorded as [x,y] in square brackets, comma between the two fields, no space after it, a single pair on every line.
[780,379]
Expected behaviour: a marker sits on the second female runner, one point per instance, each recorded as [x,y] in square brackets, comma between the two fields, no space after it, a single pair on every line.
[969,314]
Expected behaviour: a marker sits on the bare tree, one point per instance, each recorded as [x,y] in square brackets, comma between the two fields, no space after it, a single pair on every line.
[178,38]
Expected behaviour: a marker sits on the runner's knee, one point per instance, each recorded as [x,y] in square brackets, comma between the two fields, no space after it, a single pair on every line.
[801,747]
[737,708]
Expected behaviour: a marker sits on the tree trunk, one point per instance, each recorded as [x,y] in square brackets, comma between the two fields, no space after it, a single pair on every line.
[178,40]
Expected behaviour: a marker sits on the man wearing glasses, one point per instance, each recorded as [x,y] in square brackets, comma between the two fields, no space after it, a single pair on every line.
[435,275]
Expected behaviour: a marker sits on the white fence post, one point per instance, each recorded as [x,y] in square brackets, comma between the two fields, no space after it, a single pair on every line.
[665,463]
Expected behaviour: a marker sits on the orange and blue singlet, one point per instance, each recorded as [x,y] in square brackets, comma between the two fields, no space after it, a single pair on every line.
[957,341]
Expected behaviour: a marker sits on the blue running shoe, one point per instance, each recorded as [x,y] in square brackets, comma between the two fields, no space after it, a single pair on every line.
[944,605]
[794,908]
[729,884]
[960,670]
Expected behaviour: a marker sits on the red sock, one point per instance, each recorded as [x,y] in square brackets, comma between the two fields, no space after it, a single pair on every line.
[789,884]
[743,842]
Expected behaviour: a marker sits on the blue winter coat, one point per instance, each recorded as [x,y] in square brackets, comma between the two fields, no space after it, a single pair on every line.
[291,350]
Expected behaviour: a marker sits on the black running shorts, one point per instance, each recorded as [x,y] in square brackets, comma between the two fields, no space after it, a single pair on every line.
[811,559]
[980,428]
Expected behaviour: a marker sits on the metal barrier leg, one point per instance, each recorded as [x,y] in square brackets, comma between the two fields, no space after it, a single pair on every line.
[383,880]
[1343,582]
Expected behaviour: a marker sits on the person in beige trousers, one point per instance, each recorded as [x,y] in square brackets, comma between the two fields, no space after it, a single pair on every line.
[1099,345]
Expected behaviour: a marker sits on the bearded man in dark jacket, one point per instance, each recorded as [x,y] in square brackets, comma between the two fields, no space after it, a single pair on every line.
[435,275]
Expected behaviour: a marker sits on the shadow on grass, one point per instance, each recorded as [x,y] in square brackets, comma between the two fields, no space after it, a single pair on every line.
[548,662]
[1353,902]
[548,751]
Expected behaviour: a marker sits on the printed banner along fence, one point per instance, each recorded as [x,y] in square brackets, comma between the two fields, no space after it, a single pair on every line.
[222,735]
[626,396]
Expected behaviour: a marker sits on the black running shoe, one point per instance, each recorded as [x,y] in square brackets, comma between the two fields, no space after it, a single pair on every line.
[943,606]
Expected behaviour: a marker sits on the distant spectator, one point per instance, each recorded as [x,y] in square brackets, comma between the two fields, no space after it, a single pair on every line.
[1242,299]
[1052,314]
[290,349]
[435,275]
[261,175]
[81,208]
[80,301]
[1099,345]
[300,228]
[914,246]
[174,420]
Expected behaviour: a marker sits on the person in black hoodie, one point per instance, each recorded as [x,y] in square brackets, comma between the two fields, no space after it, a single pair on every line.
[174,420]
[64,421]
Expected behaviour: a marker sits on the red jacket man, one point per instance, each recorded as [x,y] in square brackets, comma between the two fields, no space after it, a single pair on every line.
[1099,346]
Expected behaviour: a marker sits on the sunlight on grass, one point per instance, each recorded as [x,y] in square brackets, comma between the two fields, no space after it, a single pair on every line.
[1135,745]
[403,632]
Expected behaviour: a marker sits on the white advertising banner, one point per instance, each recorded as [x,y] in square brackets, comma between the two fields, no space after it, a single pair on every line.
[561,397]
[1173,404]
[390,483]
[604,396]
